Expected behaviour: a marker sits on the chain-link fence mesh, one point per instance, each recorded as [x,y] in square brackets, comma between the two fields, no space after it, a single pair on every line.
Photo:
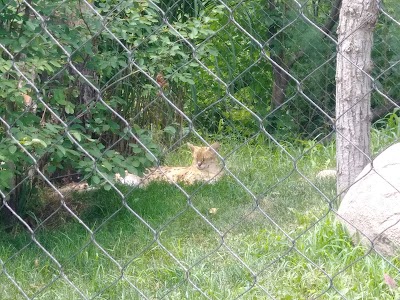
[91,89]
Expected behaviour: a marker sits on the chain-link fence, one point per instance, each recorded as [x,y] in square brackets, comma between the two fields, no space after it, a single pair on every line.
[100,197]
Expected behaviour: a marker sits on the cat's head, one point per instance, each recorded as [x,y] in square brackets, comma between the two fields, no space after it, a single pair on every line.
[204,157]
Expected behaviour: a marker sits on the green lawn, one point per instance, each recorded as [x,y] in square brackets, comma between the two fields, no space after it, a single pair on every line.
[267,232]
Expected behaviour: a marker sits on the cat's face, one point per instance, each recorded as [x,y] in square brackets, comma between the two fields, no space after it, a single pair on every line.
[204,157]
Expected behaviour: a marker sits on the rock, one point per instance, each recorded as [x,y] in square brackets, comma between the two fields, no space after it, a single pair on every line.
[326,174]
[371,208]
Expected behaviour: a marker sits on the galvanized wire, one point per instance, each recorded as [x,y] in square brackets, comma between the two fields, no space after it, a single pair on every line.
[133,68]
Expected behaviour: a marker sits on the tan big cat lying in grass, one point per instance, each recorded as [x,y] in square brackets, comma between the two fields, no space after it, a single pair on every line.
[205,168]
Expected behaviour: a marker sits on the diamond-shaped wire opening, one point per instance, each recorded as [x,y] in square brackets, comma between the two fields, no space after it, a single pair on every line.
[159,266]
[257,240]
[298,276]
[197,230]
[101,271]
[32,283]
[237,279]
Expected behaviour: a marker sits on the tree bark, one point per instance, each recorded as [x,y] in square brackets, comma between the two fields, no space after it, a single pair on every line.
[333,17]
[353,89]
[281,80]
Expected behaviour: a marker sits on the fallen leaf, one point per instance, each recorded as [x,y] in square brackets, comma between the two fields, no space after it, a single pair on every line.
[213,210]
[389,281]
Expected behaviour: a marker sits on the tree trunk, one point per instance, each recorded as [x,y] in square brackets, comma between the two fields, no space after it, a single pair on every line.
[353,89]
[281,81]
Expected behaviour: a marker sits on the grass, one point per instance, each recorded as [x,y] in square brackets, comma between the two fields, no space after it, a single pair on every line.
[265,233]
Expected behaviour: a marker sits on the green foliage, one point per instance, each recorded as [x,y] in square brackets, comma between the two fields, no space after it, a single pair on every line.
[318,154]
[78,82]
[385,57]
[241,66]
[385,131]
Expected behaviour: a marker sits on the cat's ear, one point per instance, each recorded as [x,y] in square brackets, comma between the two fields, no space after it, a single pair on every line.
[191,147]
[215,146]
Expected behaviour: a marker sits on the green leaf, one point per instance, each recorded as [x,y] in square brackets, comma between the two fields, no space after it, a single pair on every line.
[150,157]
[73,152]
[190,81]
[110,153]
[107,165]
[170,130]
[51,169]
[194,33]
[135,148]
[59,96]
[55,63]
[143,160]
[95,152]
[153,38]
[95,179]
[131,169]
[52,128]
[118,160]
[69,109]
[61,149]
[12,149]
[76,135]
[48,67]
[32,26]
[39,141]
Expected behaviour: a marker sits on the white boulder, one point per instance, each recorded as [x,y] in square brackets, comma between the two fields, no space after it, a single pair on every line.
[370,210]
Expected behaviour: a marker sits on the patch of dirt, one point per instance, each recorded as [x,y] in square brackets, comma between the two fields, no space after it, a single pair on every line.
[52,207]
